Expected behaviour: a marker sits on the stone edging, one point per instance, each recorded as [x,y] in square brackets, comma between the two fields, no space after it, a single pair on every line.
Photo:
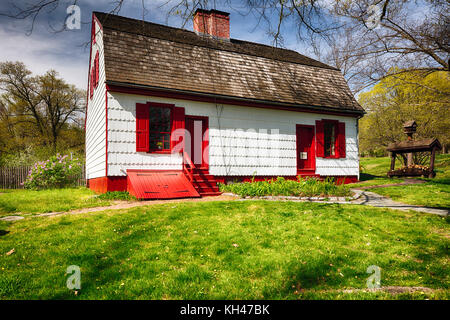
[357,194]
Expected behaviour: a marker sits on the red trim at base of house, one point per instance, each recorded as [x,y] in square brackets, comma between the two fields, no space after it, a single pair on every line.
[105,184]
[348,179]
[117,183]
[338,179]
[110,184]
[99,185]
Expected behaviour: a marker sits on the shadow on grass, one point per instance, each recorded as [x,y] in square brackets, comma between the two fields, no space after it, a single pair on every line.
[368,176]
[319,274]
[323,273]
[102,267]
[443,181]
[6,208]
[93,267]
[3,232]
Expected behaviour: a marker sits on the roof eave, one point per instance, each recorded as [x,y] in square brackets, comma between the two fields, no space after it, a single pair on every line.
[294,107]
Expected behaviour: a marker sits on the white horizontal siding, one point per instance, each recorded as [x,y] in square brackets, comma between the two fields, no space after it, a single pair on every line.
[122,153]
[96,118]
[242,140]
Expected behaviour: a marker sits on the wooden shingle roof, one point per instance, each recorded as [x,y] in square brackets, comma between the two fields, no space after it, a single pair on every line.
[414,145]
[158,56]
[410,123]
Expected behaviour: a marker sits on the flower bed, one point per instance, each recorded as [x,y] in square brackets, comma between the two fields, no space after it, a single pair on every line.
[302,187]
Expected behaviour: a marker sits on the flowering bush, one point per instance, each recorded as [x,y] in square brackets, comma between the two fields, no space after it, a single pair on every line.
[56,172]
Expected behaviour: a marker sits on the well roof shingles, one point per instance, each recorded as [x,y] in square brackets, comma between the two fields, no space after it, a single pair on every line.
[149,54]
[409,145]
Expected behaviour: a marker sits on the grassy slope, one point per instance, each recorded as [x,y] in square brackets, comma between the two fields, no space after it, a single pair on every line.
[26,201]
[434,193]
[284,250]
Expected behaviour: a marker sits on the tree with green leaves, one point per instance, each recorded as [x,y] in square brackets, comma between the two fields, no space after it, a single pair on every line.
[397,99]
[39,111]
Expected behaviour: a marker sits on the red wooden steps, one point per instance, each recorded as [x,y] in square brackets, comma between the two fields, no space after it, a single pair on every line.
[204,183]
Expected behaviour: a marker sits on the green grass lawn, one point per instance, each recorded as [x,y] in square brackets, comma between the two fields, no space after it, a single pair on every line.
[434,193]
[56,200]
[373,172]
[431,194]
[226,250]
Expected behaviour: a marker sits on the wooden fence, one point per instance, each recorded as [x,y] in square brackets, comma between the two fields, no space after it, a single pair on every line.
[13,177]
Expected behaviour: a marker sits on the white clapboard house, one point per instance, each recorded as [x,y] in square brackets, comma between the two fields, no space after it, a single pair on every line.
[171,112]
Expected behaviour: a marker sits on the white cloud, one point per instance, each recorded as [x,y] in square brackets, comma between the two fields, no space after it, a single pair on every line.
[41,54]
[44,50]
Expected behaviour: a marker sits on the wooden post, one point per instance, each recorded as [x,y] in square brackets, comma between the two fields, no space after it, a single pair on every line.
[409,159]
[433,154]
[393,160]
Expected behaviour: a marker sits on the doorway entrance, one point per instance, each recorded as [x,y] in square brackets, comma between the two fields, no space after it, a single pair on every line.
[196,144]
[306,151]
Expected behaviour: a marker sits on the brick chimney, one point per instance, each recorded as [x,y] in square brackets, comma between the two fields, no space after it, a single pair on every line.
[212,22]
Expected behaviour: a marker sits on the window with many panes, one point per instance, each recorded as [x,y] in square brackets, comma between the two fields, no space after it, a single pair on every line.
[329,139]
[160,125]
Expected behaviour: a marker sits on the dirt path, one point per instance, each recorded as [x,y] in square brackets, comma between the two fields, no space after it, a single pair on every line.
[121,205]
[363,197]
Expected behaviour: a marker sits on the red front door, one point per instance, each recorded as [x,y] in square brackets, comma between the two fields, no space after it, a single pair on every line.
[306,153]
[196,144]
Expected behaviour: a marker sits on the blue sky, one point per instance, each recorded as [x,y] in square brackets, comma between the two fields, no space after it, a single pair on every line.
[67,53]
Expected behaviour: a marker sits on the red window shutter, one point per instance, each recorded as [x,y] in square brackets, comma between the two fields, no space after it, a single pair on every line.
[93,74]
[177,136]
[341,140]
[91,84]
[96,69]
[142,127]
[319,139]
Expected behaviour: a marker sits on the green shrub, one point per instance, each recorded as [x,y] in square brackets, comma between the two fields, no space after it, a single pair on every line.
[302,187]
[57,172]
[116,195]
